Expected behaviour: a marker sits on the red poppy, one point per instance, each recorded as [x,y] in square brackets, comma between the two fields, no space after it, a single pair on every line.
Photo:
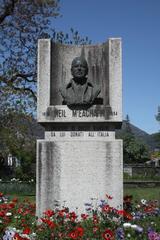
[73,235]
[18,237]
[106,208]
[125,214]
[49,213]
[128,216]
[27,231]
[62,212]
[80,231]
[72,216]
[11,205]
[95,219]
[2,213]
[84,216]
[108,235]
[50,223]
[15,200]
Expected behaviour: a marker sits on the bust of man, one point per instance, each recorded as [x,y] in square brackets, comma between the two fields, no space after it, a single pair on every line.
[79,91]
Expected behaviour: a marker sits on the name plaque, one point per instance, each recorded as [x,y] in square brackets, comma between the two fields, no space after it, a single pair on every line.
[96,135]
[96,113]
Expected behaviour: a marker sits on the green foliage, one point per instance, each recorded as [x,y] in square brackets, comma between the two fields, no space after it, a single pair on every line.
[134,150]
[18,139]
[158,115]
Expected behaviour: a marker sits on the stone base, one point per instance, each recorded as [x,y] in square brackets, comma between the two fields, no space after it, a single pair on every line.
[73,172]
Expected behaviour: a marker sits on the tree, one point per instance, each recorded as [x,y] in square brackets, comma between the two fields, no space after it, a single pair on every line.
[128,125]
[158,115]
[22,23]
[157,135]
[134,150]
[18,132]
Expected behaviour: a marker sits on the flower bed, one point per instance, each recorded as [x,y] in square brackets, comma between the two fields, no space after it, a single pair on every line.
[139,221]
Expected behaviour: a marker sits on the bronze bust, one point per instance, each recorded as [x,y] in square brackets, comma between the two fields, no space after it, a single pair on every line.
[79,91]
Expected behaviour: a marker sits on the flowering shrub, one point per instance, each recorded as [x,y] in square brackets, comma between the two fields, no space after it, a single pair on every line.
[141,221]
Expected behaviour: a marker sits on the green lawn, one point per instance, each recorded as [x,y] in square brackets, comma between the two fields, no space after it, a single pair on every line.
[21,198]
[143,193]
[138,193]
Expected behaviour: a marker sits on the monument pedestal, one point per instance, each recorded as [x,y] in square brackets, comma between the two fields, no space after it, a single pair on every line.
[79,158]
[74,169]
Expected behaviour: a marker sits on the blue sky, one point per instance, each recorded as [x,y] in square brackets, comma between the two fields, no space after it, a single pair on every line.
[137,22]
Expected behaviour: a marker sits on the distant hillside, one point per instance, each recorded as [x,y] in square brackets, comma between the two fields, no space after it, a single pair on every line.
[148,139]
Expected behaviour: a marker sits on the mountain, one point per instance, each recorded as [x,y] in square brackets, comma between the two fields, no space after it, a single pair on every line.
[148,139]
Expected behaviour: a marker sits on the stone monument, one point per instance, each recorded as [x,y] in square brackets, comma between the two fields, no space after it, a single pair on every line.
[80,106]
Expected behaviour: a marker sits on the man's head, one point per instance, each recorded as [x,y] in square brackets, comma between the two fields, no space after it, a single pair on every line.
[79,68]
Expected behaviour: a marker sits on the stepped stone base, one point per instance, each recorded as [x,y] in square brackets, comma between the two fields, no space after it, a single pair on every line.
[72,172]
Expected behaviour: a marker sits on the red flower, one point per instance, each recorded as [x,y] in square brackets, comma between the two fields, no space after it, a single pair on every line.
[18,237]
[62,212]
[127,198]
[95,219]
[73,235]
[95,229]
[80,231]
[1,194]
[109,197]
[72,216]
[125,214]
[15,200]
[50,223]
[108,235]
[128,216]
[2,213]
[27,231]
[106,208]
[49,213]
[84,216]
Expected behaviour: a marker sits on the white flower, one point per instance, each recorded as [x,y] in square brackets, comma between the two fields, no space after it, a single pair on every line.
[0,221]
[8,214]
[25,236]
[134,226]
[128,235]
[143,201]
[126,225]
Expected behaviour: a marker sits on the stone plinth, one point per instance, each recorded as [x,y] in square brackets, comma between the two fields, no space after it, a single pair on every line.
[79,158]
[74,169]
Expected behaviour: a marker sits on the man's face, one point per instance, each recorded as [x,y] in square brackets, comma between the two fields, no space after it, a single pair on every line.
[79,68]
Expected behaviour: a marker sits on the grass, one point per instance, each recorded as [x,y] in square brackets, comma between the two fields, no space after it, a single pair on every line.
[17,188]
[21,198]
[139,193]
[23,191]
